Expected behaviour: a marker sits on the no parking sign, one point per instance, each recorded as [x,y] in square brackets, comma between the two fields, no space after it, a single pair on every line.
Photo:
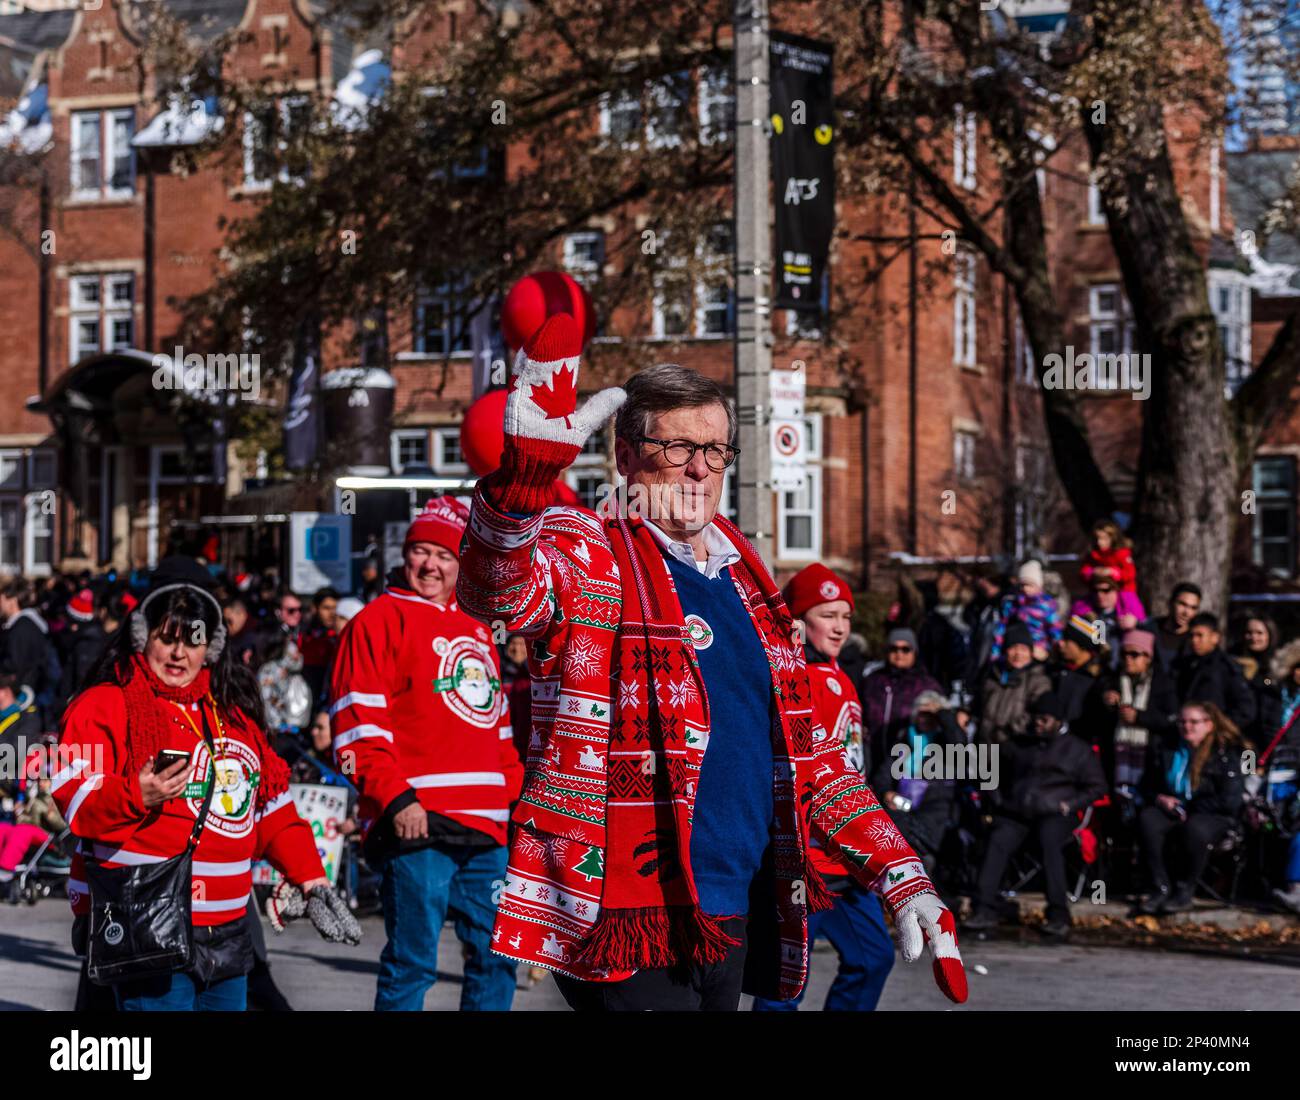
[788,431]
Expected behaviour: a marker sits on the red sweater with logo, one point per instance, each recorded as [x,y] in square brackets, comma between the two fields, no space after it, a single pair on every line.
[105,807]
[419,714]
[835,702]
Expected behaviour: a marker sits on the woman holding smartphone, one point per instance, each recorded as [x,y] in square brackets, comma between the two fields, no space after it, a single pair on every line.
[1194,791]
[168,732]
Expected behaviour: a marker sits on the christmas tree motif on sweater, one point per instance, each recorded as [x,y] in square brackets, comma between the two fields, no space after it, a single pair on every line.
[592,865]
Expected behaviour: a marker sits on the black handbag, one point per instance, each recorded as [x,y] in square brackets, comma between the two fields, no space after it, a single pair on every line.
[141,920]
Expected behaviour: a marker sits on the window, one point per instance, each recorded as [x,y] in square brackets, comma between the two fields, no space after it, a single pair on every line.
[1031,496]
[11,469]
[410,447]
[588,476]
[714,312]
[1110,329]
[446,452]
[1273,539]
[1096,211]
[717,105]
[1026,367]
[799,511]
[621,117]
[102,161]
[963,148]
[266,142]
[963,323]
[441,324]
[669,110]
[1230,300]
[101,314]
[671,306]
[38,536]
[11,535]
[26,511]
[963,453]
[584,256]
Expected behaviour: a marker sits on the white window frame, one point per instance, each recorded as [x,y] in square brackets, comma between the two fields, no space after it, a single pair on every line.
[394,442]
[14,501]
[441,467]
[579,264]
[715,90]
[37,523]
[964,445]
[104,124]
[612,103]
[661,100]
[252,127]
[13,458]
[965,332]
[104,312]
[1237,348]
[964,132]
[1120,320]
[715,260]
[812,489]
[675,272]
[1096,211]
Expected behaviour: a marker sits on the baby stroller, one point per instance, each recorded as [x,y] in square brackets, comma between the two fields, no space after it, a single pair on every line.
[45,869]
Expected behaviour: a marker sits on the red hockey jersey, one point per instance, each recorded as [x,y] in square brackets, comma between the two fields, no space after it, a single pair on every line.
[104,807]
[419,713]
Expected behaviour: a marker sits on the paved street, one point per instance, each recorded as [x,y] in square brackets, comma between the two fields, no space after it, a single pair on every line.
[38,970]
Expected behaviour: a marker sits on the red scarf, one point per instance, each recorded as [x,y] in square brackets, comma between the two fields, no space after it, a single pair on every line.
[147,719]
[650,914]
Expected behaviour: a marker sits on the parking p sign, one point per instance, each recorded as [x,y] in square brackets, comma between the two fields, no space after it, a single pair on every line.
[322,551]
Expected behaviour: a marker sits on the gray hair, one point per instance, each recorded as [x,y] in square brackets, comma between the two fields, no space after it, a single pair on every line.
[662,388]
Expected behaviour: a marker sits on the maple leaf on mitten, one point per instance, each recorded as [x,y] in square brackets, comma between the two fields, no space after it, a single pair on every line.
[924,919]
[544,428]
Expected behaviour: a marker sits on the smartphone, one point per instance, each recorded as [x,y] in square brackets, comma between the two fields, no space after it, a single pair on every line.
[169,758]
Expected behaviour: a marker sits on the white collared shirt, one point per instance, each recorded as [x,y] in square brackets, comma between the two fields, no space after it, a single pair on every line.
[716,544]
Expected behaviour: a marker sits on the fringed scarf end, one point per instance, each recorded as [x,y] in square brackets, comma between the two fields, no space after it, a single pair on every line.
[645,938]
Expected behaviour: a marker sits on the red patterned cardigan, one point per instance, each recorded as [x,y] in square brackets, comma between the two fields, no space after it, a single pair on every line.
[553,578]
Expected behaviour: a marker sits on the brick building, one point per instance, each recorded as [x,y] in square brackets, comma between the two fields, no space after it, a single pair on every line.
[934,454]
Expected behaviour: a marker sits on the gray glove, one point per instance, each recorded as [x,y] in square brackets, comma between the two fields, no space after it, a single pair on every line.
[331,916]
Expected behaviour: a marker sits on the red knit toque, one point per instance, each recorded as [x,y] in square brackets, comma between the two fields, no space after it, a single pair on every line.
[812,585]
[82,606]
[442,523]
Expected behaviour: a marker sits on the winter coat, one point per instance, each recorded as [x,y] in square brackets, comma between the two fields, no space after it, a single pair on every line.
[1046,771]
[24,645]
[1267,690]
[939,792]
[1073,686]
[1119,560]
[1038,613]
[1215,678]
[1169,646]
[888,696]
[83,648]
[1004,698]
[1220,791]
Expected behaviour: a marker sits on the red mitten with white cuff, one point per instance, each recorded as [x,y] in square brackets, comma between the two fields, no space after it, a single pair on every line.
[544,428]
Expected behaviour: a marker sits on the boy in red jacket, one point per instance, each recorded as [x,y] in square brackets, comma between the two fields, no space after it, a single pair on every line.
[422,728]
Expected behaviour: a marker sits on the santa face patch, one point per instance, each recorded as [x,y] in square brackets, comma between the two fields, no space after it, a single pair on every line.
[699,632]
[237,775]
[467,681]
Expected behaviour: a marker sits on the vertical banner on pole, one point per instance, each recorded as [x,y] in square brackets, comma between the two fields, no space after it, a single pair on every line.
[803,167]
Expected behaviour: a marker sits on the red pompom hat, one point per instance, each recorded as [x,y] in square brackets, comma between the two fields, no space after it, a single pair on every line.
[82,606]
[814,584]
[442,523]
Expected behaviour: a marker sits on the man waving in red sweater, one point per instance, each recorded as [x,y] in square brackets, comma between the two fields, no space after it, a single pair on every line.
[421,726]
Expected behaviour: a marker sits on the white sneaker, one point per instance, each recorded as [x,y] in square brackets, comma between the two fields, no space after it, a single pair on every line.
[1289,897]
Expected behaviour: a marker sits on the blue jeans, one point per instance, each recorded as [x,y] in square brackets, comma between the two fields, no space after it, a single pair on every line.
[181,993]
[856,928]
[419,888]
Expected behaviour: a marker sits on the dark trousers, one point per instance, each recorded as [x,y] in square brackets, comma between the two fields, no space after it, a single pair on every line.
[1198,835]
[1008,836]
[687,987]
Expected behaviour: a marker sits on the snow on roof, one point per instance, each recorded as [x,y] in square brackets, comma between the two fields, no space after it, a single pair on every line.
[1272,280]
[366,81]
[180,125]
[28,125]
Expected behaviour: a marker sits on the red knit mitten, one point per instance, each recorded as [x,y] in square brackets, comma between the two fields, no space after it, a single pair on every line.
[544,429]
[924,920]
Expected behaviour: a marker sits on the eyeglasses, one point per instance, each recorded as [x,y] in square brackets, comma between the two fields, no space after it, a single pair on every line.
[900,649]
[1102,589]
[679,452]
[291,610]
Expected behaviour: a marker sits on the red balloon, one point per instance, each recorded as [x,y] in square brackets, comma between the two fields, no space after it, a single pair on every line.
[536,297]
[482,432]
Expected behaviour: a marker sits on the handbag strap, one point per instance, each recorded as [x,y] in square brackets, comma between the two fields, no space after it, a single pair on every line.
[212,784]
